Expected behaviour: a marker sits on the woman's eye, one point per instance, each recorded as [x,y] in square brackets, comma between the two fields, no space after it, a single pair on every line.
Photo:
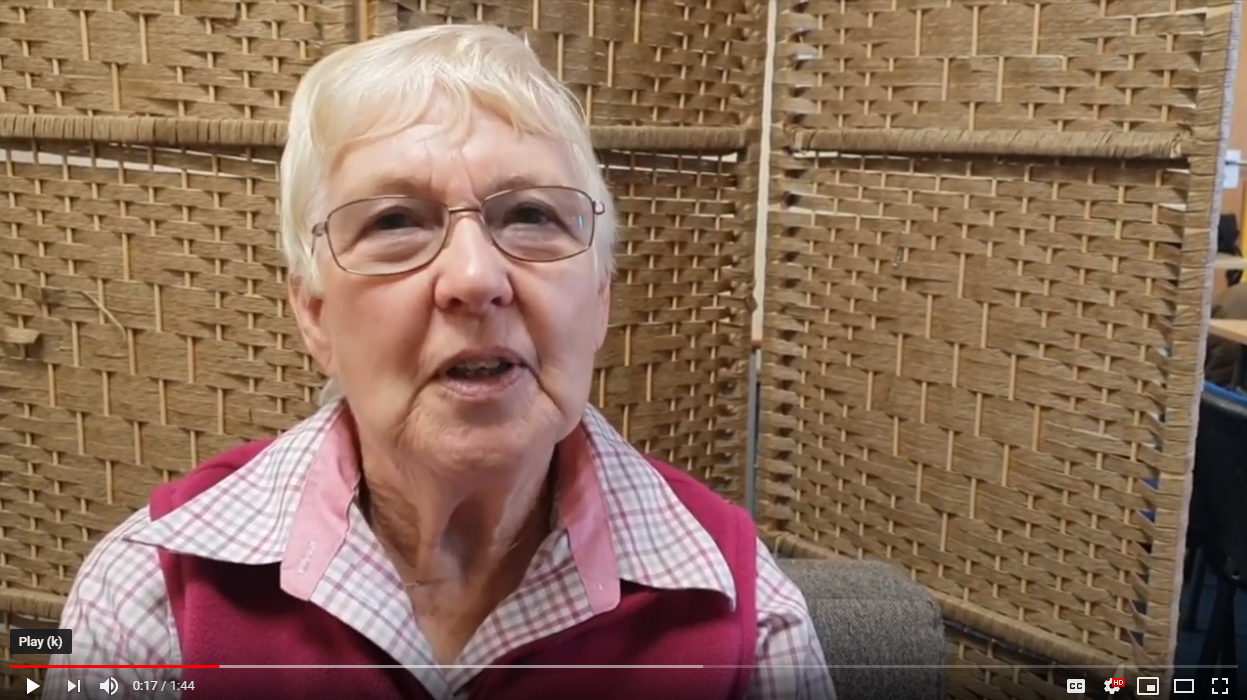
[529,215]
[396,220]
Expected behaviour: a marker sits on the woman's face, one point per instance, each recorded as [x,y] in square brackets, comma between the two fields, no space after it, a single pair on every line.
[475,358]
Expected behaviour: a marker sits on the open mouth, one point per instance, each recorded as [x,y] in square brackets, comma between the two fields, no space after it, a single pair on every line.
[482,369]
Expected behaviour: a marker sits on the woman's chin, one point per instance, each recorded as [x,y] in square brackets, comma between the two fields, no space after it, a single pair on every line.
[450,428]
[483,452]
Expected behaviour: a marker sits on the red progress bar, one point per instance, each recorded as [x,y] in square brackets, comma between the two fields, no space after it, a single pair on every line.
[125,666]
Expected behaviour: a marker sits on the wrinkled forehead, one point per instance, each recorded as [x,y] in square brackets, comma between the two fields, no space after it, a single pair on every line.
[447,149]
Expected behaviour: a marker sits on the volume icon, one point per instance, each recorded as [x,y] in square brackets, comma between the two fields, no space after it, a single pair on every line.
[110,686]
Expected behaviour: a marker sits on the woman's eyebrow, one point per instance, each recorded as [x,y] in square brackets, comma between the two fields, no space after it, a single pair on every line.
[389,183]
[415,185]
[516,182]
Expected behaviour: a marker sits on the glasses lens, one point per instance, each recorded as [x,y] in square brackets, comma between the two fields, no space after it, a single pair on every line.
[386,235]
[540,223]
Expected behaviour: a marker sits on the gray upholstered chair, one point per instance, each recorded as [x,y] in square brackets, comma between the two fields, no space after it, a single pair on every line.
[882,634]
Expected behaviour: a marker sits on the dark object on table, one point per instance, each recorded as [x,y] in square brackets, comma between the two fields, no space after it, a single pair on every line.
[1227,244]
[1218,527]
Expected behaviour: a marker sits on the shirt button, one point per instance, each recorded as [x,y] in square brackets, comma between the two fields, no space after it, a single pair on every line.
[306,560]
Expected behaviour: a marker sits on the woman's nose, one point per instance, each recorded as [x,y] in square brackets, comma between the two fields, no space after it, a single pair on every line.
[471,274]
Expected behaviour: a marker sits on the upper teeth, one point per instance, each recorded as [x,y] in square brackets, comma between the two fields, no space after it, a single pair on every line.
[481,364]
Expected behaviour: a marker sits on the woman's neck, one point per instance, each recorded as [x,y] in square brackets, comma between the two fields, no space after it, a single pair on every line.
[458,551]
[463,529]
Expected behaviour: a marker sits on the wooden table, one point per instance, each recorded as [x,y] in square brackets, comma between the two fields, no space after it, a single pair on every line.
[1229,262]
[1233,330]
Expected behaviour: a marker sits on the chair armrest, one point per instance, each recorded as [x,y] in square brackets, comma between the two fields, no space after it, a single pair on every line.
[868,614]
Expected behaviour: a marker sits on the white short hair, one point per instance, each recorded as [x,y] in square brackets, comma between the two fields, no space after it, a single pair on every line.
[384,85]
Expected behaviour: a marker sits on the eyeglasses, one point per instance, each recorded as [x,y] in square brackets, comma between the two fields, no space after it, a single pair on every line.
[392,235]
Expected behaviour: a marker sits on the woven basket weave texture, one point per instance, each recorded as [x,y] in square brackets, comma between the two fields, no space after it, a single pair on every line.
[986,287]
[206,59]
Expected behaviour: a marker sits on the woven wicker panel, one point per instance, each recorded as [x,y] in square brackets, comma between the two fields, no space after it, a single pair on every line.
[675,369]
[1065,65]
[675,63]
[208,58]
[963,374]
[986,669]
[983,337]
[145,330]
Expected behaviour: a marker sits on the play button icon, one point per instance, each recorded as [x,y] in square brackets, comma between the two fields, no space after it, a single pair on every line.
[30,686]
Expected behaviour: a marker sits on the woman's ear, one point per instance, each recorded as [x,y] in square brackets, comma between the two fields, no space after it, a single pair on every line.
[309,313]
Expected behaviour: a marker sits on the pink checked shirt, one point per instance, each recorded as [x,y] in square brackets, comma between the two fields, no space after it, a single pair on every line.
[295,503]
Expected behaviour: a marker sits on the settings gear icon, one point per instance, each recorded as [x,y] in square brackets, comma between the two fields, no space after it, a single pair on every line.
[1110,688]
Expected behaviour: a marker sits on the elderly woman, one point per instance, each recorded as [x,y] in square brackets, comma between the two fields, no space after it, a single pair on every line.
[455,521]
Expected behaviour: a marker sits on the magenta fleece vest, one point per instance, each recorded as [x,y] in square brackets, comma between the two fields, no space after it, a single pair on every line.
[237,614]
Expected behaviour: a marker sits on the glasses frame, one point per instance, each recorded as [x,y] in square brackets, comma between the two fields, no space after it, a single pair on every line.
[321,229]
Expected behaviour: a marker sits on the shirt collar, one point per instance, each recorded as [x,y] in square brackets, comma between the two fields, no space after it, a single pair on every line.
[623,519]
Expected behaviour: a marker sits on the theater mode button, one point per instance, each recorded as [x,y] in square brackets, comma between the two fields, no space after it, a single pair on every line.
[40,641]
